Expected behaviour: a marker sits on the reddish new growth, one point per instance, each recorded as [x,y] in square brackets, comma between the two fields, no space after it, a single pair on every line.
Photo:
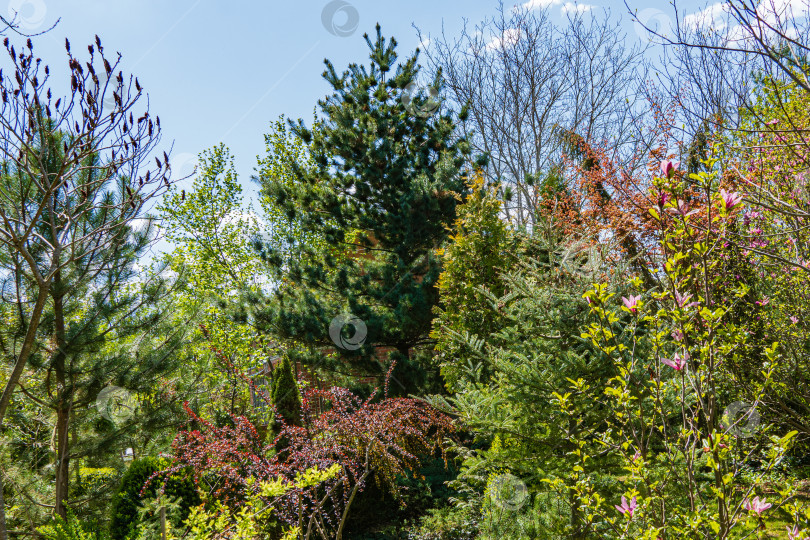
[367,438]
[223,458]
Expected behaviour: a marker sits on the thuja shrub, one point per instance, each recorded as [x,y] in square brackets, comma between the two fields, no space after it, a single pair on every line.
[139,483]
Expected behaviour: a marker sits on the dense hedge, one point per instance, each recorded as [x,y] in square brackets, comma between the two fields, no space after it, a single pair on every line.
[127,500]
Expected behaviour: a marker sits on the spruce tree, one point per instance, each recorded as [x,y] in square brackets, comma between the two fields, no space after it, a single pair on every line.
[387,176]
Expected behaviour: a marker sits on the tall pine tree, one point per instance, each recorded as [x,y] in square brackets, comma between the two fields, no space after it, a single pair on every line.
[386,180]
[106,323]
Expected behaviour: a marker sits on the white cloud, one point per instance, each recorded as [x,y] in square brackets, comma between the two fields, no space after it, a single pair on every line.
[168,273]
[141,223]
[774,11]
[571,7]
[424,44]
[540,4]
[510,37]
[737,34]
[712,16]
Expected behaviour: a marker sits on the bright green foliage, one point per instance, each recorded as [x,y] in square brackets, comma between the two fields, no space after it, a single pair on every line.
[286,397]
[508,329]
[255,517]
[212,235]
[284,155]
[534,355]
[96,486]
[770,246]
[209,226]
[127,502]
[381,192]
[149,520]
[69,529]
[480,249]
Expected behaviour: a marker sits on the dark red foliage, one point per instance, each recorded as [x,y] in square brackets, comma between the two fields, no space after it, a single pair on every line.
[379,439]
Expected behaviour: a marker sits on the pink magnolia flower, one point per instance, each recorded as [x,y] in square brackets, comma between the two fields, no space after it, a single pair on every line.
[678,362]
[749,216]
[677,335]
[793,534]
[668,168]
[682,299]
[730,200]
[627,508]
[755,505]
[772,122]
[631,303]
[794,319]
[764,302]
[683,208]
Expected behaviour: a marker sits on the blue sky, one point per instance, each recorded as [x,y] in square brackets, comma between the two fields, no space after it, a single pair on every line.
[221,71]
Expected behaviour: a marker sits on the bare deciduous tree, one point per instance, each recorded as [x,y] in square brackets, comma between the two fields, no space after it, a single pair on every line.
[714,60]
[528,80]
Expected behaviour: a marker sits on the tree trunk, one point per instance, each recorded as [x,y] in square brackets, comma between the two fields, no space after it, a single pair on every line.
[25,352]
[3,534]
[163,523]
[14,377]
[355,489]
[62,459]
[64,402]
[577,529]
